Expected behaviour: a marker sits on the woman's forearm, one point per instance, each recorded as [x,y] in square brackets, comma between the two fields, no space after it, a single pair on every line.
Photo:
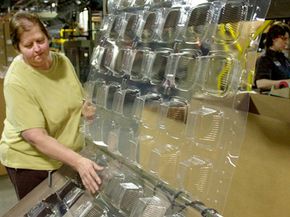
[267,83]
[48,145]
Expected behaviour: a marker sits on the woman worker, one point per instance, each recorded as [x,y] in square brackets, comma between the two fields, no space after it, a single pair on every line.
[273,66]
[43,111]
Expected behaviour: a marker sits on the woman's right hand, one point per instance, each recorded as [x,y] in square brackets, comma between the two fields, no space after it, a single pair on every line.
[88,110]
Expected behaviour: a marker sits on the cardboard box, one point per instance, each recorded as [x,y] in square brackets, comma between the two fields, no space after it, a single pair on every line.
[270,106]
[10,54]
[2,170]
[2,117]
[6,30]
[2,107]
[260,183]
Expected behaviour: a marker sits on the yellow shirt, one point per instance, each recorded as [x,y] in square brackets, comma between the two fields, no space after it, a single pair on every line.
[49,99]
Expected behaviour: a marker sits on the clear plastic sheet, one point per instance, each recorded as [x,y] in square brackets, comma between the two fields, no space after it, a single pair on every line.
[166,78]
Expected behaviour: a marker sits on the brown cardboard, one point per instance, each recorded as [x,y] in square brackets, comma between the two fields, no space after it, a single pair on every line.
[2,107]
[2,60]
[2,170]
[10,54]
[6,30]
[10,51]
[2,46]
[270,106]
[260,183]
[2,117]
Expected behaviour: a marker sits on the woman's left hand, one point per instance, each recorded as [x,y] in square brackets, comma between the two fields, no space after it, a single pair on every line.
[88,171]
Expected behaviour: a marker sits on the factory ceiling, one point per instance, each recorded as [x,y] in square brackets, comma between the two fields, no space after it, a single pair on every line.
[50,5]
[279,9]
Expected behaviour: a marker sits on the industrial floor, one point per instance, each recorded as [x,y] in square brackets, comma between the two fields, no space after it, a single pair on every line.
[7,195]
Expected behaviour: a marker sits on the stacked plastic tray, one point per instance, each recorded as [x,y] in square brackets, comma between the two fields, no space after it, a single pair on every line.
[166,79]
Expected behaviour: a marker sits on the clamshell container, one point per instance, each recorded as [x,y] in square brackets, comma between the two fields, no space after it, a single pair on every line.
[232,17]
[150,206]
[149,25]
[205,125]
[160,59]
[201,20]
[218,74]
[194,176]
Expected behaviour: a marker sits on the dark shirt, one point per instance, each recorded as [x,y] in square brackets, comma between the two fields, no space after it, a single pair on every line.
[272,65]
